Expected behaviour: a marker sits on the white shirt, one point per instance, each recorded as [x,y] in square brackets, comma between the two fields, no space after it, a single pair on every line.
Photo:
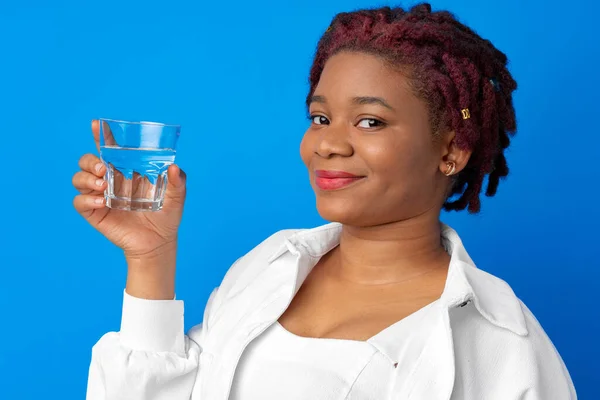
[485,344]
[329,369]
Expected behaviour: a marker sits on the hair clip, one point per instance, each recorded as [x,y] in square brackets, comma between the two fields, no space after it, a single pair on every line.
[495,84]
[466,114]
[328,29]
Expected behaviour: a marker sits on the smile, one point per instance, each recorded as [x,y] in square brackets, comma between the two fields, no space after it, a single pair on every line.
[335,183]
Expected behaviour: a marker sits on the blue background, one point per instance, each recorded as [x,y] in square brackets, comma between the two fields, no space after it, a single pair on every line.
[234,74]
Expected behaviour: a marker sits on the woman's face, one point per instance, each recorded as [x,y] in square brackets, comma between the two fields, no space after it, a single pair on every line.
[367,122]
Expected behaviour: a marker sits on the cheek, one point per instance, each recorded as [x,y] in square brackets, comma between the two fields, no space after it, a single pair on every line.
[400,162]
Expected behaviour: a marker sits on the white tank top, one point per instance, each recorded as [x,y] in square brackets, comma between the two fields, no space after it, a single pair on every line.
[279,365]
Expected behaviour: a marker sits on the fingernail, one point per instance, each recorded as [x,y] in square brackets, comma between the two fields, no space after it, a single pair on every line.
[99,200]
[98,167]
[99,182]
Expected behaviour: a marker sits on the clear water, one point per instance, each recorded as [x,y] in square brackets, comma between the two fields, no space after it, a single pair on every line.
[148,163]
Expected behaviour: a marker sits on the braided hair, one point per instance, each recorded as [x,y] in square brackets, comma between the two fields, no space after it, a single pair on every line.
[451,68]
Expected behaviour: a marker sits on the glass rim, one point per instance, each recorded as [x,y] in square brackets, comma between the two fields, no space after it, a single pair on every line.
[145,123]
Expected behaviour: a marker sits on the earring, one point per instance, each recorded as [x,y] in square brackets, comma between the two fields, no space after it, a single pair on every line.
[451,168]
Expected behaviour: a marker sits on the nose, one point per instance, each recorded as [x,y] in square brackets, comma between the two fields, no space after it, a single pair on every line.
[334,141]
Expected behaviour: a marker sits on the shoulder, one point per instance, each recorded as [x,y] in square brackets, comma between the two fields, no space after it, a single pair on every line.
[243,271]
[544,373]
[500,346]
[251,264]
[504,360]
[550,371]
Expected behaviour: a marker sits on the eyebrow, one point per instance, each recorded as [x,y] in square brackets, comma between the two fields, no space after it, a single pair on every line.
[361,100]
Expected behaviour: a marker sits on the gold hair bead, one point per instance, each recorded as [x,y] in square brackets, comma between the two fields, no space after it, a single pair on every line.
[466,114]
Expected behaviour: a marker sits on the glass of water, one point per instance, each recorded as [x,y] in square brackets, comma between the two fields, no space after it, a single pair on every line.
[136,156]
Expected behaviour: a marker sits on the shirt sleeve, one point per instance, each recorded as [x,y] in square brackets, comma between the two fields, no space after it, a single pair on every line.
[150,358]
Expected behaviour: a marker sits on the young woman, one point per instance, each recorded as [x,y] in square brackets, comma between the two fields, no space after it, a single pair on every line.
[410,111]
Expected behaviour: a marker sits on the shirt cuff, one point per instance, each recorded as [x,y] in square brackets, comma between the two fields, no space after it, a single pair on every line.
[152,325]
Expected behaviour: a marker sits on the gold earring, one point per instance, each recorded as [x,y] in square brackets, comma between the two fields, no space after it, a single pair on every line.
[451,168]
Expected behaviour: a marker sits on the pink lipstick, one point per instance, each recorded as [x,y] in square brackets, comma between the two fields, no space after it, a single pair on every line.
[333,180]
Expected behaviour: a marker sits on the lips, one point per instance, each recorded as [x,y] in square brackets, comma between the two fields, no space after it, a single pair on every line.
[333,180]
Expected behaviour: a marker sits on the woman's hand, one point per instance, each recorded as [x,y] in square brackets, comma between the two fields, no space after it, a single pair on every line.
[148,239]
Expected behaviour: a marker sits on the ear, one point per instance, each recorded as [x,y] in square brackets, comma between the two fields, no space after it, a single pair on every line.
[451,153]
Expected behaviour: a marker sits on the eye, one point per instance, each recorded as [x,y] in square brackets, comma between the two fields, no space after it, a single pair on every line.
[370,123]
[319,120]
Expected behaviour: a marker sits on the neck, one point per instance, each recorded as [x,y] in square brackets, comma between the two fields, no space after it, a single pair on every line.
[392,253]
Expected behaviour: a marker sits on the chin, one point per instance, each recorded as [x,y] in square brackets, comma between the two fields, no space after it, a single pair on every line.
[351,211]
[345,211]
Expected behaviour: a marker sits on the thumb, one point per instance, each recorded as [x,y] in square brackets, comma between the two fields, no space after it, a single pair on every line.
[175,194]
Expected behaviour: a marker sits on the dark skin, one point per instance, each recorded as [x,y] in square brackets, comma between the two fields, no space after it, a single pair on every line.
[390,261]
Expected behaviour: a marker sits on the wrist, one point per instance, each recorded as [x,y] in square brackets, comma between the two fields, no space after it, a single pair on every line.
[163,251]
[152,275]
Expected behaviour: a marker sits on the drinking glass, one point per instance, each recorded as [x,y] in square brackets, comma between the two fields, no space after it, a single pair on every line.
[136,156]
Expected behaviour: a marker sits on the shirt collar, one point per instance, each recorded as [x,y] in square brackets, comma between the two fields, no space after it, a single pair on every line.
[491,296]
